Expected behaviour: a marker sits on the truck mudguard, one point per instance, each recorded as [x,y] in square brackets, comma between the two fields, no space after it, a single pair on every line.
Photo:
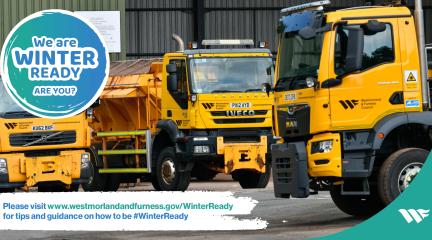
[170,127]
[387,124]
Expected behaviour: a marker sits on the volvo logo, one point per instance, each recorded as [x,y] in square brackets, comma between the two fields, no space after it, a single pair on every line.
[43,139]
[238,113]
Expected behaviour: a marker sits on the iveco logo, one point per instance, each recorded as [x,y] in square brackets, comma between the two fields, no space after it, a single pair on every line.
[240,113]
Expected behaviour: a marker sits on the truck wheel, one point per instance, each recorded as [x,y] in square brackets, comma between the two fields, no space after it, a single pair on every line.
[356,205]
[398,171]
[7,190]
[96,182]
[202,173]
[54,187]
[112,183]
[249,179]
[168,176]
[155,182]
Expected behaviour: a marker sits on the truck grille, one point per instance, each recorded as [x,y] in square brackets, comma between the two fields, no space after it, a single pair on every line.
[239,120]
[21,139]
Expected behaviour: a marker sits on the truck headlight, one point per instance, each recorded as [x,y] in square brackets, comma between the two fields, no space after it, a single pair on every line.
[322,146]
[201,149]
[85,160]
[3,166]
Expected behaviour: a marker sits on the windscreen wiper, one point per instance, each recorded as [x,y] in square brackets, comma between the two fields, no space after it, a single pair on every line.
[223,91]
[254,90]
[17,114]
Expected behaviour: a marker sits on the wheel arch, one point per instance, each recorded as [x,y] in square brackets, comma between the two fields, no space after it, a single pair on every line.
[392,123]
[401,131]
[166,136]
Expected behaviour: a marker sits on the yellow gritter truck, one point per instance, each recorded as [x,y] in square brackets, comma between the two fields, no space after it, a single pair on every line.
[51,154]
[352,104]
[194,113]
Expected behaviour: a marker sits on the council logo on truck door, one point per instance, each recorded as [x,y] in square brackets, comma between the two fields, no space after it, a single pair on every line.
[54,64]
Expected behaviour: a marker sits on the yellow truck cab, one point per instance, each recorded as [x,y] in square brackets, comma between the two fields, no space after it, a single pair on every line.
[352,104]
[50,154]
[195,113]
[222,110]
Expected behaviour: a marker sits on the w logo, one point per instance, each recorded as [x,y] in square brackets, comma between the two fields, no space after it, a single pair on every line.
[348,103]
[416,215]
[11,125]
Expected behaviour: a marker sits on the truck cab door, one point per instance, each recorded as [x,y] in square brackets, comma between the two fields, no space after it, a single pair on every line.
[178,106]
[366,95]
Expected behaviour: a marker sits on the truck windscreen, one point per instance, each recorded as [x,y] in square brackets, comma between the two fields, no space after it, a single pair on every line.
[299,58]
[233,74]
[7,105]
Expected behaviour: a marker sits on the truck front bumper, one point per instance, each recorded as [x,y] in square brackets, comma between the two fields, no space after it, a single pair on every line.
[289,167]
[69,167]
[235,155]
[249,155]
[294,162]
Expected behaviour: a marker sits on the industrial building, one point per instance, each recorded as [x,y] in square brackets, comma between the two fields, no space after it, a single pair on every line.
[147,25]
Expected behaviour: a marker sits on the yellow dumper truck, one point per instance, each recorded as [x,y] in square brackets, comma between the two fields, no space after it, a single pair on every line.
[50,154]
[352,104]
[196,111]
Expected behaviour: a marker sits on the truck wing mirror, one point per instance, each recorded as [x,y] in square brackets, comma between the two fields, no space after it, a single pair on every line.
[171,68]
[373,26]
[354,55]
[266,87]
[172,83]
[96,103]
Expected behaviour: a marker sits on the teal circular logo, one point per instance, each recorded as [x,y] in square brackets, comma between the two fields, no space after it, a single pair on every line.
[54,64]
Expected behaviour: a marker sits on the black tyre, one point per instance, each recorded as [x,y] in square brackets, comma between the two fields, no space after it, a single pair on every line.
[251,179]
[112,183]
[202,173]
[7,190]
[155,182]
[97,181]
[355,205]
[398,171]
[168,176]
[57,187]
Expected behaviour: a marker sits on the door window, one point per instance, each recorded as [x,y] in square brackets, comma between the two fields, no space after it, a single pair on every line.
[377,48]
[181,96]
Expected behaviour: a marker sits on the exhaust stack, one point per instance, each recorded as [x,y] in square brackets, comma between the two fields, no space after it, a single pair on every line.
[419,20]
[179,41]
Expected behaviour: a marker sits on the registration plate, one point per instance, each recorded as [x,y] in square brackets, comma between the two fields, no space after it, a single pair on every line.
[290,97]
[43,128]
[241,105]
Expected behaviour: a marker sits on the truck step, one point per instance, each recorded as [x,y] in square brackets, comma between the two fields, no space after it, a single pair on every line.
[122,133]
[124,170]
[122,152]
[347,188]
